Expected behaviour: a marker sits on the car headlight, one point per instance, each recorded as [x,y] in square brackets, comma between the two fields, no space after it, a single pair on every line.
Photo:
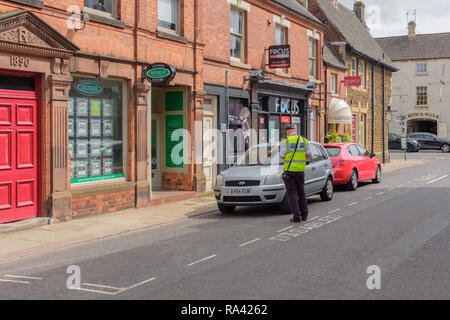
[273,179]
[219,180]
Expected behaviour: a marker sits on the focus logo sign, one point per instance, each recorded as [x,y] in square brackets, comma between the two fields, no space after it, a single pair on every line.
[280,56]
[90,88]
[160,73]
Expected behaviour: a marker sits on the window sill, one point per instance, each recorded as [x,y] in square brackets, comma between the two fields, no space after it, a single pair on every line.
[420,74]
[109,21]
[32,3]
[421,107]
[239,64]
[162,33]
[92,188]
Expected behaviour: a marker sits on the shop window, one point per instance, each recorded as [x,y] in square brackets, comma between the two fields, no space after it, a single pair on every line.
[168,15]
[422,96]
[106,8]
[237,34]
[313,58]
[96,141]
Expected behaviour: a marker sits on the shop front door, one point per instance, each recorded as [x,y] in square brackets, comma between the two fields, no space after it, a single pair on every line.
[18,156]
[156,153]
[209,142]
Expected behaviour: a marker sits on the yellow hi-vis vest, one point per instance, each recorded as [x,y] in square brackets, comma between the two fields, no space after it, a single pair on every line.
[299,157]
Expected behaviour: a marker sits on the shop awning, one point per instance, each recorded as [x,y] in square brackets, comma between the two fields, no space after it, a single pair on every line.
[339,112]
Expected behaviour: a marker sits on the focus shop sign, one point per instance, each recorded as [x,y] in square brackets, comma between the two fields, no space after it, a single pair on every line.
[280,56]
[159,73]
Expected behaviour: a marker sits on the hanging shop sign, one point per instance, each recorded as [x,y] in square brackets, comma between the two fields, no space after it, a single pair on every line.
[89,88]
[280,56]
[159,72]
[285,119]
[354,81]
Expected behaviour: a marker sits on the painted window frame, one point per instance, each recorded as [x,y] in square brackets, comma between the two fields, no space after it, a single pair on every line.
[362,72]
[112,15]
[421,96]
[421,68]
[312,58]
[354,67]
[177,30]
[240,36]
[333,83]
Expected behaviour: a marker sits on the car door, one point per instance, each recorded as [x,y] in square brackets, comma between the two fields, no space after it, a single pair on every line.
[421,138]
[356,160]
[367,164]
[433,141]
[394,141]
[317,169]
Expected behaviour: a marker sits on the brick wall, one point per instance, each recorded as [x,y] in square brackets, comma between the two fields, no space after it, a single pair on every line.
[102,203]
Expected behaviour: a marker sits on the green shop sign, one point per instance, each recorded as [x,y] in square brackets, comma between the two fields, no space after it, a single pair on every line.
[87,87]
[159,73]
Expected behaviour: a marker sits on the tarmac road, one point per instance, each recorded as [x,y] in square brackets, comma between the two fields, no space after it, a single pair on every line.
[400,226]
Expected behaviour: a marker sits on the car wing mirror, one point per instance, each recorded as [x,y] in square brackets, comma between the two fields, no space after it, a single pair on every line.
[372,155]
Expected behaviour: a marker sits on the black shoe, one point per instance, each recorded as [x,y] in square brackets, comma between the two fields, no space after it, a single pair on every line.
[295,220]
[304,218]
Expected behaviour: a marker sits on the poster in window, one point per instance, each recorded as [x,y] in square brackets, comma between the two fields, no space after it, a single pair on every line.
[107,128]
[96,146]
[82,107]
[71,106]
[82,169]
[71,153]
[73,166]
[107,166]
[95,108]
[96,127]
[82,148]
[70,127]
[107,144]
[82,127]
[96,168]
[107,107]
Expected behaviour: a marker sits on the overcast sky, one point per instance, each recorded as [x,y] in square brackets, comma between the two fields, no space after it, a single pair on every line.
[433,16]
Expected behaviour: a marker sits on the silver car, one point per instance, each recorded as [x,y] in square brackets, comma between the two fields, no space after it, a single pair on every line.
[255,179]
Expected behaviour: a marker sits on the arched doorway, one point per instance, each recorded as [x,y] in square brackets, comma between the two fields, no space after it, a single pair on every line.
[422,125]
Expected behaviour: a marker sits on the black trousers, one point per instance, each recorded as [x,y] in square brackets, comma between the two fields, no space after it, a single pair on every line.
[295,189]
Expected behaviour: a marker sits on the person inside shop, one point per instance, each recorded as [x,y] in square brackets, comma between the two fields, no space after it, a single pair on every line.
[294,150]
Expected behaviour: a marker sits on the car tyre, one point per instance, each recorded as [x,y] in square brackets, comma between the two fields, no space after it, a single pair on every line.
[284,206]
[226,209]
[353,182]
[377,176]
[445,148]
[327,192]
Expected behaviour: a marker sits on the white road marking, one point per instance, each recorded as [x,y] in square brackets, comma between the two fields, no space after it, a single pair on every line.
[352,204]
[24,277]
[201,260]
[15,281]
[136,285]
[335,210]
[368,198]
[246,243]
[94,291]
[440,178]
[400,185]
[391,189]
[101,286]
[285,229]
[379,193]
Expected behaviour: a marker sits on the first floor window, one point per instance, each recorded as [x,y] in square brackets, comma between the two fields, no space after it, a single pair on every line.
[421,67]
[354,67]
[95,130]
[422,96]
[362,72]
[236,34]
[333,83]
[280,35]
[102,7]
[313,58]
[168,14]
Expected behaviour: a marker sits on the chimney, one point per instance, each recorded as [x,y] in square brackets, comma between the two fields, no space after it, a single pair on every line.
[411,30]
[358,8]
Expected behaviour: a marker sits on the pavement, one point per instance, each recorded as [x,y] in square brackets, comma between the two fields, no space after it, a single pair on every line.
[36,236]
[400,226]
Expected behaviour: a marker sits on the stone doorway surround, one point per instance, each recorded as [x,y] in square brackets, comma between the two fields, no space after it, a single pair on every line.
[30,45]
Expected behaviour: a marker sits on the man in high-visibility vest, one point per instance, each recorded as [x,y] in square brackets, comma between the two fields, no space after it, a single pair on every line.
[294,168]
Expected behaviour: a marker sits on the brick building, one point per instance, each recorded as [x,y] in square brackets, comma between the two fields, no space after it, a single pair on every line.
[77,123]
[242,93]
[363,57]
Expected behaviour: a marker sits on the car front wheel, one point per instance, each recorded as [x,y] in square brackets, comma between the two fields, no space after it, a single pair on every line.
[445,148]
[327,192]
[226,209]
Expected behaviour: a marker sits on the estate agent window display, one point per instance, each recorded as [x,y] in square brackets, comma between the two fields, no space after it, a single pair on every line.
[95,130]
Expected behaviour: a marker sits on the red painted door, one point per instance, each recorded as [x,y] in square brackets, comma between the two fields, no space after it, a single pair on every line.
[18,159]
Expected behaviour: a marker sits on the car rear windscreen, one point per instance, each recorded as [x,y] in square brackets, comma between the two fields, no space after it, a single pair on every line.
[333,151]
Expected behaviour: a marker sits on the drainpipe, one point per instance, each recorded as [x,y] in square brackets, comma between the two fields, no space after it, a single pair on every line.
[326,102]
[373,110]
[227,106]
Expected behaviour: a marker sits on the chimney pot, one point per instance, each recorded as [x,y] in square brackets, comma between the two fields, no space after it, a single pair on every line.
[359,8]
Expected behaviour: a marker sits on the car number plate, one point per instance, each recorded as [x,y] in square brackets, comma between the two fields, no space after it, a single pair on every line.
[239,192]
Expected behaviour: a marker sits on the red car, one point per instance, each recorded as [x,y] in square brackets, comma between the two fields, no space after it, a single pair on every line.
[352,163]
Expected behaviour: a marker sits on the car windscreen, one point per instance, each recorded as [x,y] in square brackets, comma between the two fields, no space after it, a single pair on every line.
[260,155]
[333,151]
